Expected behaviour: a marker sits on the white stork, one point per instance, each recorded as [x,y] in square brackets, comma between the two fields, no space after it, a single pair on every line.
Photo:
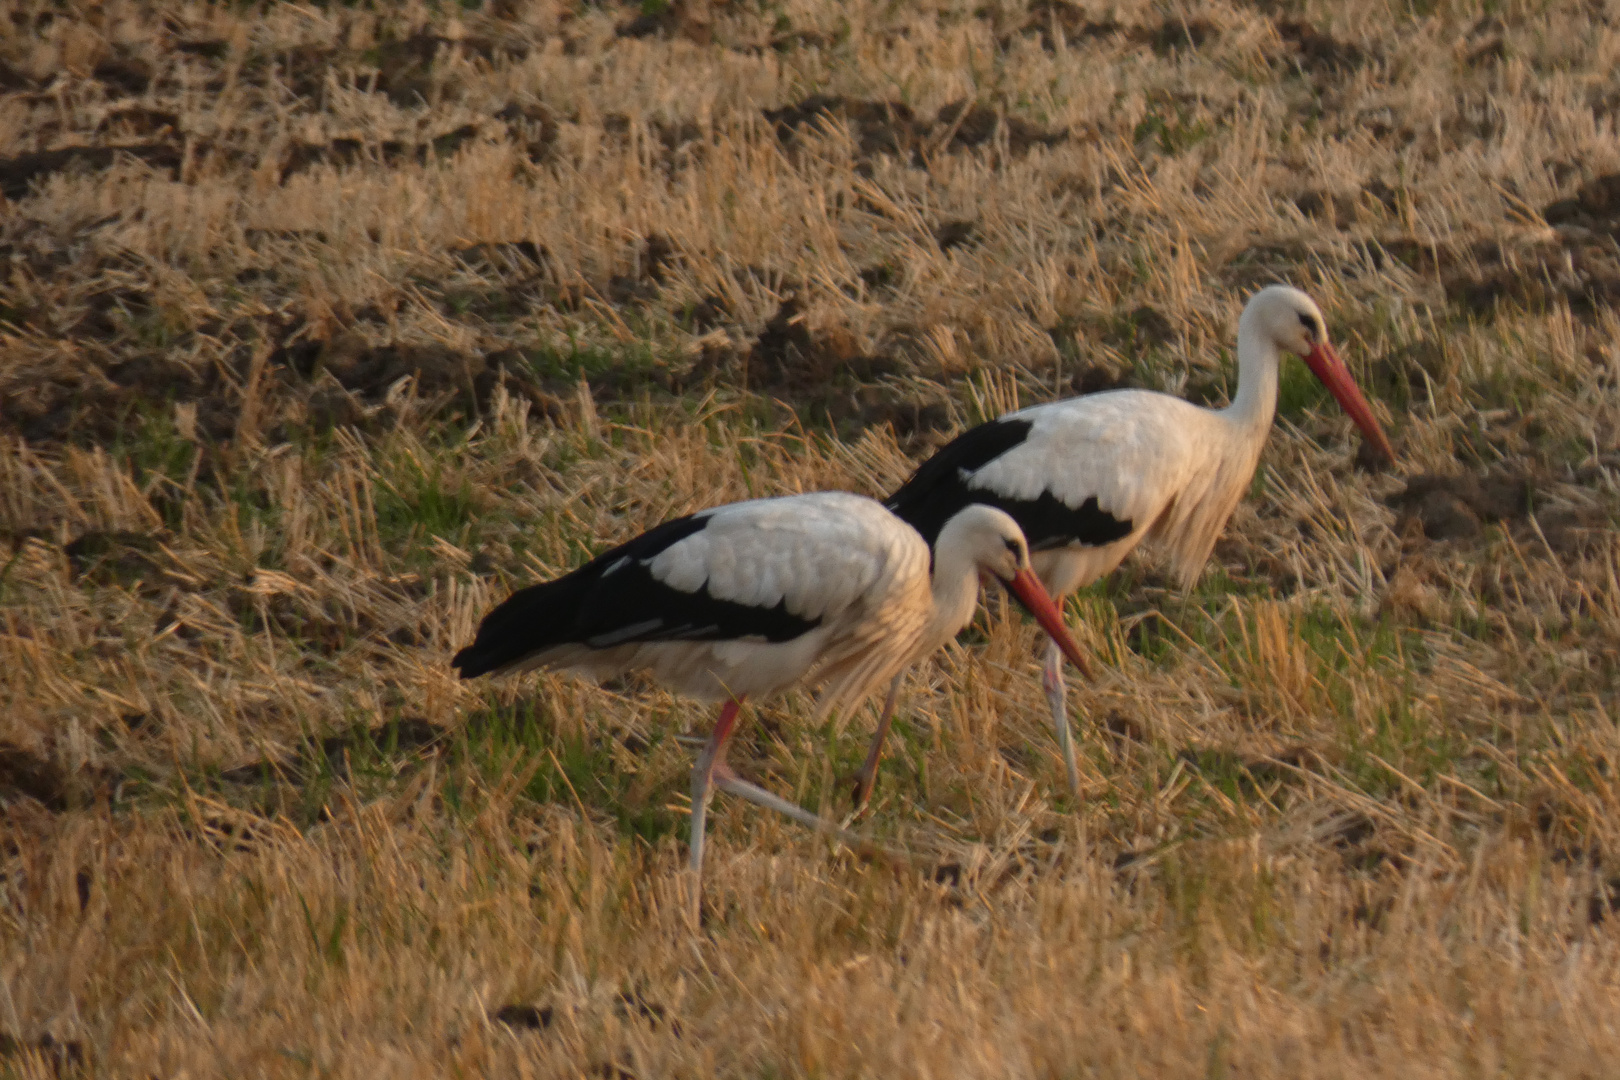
[753,597]
[1089,478]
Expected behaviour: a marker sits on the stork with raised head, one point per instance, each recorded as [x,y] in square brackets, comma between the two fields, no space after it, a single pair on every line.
[1089,478]
[753,597]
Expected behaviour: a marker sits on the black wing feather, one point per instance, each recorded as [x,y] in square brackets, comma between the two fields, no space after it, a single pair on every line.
[615,600]
[939,489]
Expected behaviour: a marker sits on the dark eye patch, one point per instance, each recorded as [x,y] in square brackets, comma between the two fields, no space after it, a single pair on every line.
[1311,326]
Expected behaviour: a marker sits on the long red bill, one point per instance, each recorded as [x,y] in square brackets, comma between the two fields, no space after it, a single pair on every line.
[1324,361]
[1032,594]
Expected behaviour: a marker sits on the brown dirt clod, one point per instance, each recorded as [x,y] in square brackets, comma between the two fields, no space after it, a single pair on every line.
[24,773]
[1595,204]
[523,1017]
[1452,507]
[1317,52]
[18,174]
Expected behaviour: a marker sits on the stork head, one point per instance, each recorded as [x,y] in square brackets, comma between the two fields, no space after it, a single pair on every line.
[1293,323]
[995,544]
[990,538]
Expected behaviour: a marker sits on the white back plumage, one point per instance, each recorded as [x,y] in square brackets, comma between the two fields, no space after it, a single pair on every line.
[832,556]
[823,553]
[1174,470]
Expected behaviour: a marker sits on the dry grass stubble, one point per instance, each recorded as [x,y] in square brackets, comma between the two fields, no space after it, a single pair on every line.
[323,328]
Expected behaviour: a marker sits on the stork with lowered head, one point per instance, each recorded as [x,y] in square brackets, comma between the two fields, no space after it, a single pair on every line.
[751,598]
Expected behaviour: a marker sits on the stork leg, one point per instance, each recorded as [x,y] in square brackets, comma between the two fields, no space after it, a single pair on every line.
[1057,696]
[703,773]
[732,784]
[712,771]
[866,779]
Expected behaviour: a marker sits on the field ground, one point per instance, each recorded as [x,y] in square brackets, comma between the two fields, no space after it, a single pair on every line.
[323,327]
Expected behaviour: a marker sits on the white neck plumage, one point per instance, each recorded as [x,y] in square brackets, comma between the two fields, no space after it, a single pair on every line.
[955,581]
[1255,402]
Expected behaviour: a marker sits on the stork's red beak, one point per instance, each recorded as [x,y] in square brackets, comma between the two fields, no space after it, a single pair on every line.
[1032,594]
[1324,361]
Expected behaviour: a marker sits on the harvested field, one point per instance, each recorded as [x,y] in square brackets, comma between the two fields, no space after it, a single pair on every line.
[323,327]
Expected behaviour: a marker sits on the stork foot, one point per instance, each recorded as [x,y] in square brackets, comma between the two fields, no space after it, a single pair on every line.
[860,786]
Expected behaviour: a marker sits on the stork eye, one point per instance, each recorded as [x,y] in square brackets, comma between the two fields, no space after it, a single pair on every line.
[1014,546]
[1311,327]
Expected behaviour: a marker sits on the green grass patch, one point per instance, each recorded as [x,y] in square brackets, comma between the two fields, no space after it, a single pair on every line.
[622,367]
[419,503]
[159,460]
[561,767]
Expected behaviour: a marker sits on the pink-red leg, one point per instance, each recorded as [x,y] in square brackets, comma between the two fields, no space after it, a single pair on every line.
[702,780]
[711,771]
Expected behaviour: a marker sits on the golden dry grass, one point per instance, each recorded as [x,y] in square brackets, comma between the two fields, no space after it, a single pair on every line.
[322,327]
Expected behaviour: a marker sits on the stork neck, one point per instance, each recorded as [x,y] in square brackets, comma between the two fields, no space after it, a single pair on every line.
[1255,402]
[955,585]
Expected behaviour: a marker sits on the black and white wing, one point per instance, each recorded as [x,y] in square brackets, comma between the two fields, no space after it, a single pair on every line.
[1094,472]
[767,571]
[1010,463]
